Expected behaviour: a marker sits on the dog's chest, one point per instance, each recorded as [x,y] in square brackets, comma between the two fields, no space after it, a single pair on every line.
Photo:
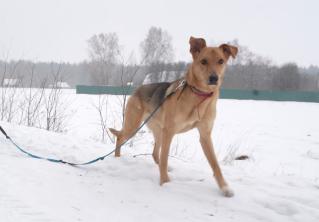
[187,119]
[181,128]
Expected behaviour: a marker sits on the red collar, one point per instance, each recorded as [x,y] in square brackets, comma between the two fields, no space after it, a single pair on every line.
[201,93]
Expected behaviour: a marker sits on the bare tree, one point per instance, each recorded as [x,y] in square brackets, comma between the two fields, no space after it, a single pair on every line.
[156,50]
[107,62]
[104,51]
[53,104]
[31,105]
[10,81]
[102,108]
[126,71]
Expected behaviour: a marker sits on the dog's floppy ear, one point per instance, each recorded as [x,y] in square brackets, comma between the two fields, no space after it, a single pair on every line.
[229,50]
[196,45]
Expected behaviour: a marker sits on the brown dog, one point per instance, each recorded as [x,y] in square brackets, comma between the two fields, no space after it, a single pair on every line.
[190,105]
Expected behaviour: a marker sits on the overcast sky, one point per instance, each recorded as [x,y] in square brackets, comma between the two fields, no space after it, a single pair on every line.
[57,30]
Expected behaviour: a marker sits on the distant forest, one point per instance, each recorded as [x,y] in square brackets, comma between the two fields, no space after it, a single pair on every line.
[106,65]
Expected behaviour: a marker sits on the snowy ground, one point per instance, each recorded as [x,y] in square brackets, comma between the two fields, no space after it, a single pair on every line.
[280,181]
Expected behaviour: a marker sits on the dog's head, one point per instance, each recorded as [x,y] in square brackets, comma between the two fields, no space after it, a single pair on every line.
[209,63]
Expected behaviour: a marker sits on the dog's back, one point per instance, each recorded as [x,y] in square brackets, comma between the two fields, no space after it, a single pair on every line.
[152,94]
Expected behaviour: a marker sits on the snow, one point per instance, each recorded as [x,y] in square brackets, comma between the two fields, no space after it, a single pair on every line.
[279,182]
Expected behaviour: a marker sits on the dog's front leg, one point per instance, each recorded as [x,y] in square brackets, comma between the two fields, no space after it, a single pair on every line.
[207,145]
[167,137]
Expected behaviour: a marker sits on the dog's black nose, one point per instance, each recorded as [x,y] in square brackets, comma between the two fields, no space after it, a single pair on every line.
[213,78]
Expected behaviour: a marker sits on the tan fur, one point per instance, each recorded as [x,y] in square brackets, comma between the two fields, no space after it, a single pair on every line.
[182,111]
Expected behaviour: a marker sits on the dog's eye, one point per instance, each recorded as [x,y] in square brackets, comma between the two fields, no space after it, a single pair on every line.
[221,61]
[203,61]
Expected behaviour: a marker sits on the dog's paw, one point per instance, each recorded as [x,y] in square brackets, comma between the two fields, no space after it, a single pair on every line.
[227,192]
[164,180]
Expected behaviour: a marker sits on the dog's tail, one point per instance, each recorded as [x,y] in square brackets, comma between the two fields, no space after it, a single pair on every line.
[115,132]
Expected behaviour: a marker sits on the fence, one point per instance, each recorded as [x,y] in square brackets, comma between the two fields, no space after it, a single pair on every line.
[112,90]
[225,93]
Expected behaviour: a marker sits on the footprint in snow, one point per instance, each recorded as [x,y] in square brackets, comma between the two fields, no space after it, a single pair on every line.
[12,208]
[281,207]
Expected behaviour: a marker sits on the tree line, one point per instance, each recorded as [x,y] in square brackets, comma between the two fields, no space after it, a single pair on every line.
[107,65]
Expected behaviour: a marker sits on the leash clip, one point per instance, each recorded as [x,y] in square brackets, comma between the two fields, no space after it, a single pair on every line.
[181,84]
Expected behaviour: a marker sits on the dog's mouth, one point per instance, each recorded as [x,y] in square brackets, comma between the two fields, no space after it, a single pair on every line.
[212,83]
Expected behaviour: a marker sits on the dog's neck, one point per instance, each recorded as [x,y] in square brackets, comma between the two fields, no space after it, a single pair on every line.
[196,104]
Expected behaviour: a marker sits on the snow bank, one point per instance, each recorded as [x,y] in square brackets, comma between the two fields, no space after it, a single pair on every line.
[279,182]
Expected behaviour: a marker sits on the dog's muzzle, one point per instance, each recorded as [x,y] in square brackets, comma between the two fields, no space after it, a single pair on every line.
[213,78]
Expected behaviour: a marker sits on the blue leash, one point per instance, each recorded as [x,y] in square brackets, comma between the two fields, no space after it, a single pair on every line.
[91,161]
[181,85]
[51,159]
[85,163]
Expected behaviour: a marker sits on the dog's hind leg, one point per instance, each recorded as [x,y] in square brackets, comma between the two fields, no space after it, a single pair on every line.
[157,134]
[132,120]
[157,147]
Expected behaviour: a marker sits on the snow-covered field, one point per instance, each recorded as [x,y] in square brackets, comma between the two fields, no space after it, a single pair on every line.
[279,182]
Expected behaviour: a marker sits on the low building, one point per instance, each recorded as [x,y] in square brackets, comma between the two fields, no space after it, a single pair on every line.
[60,85]
[10,82]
